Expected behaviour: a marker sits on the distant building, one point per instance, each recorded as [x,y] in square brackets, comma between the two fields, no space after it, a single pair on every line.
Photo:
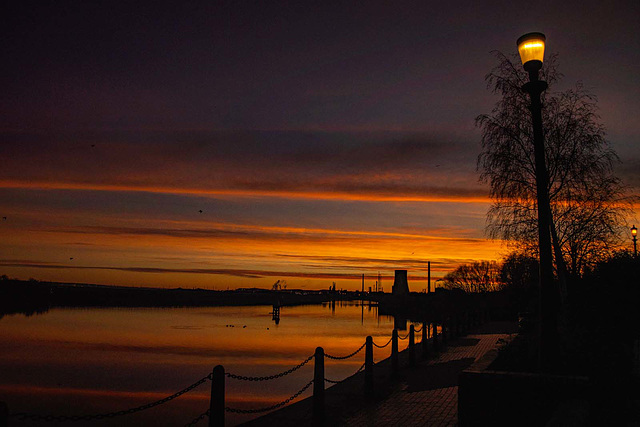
[400,284]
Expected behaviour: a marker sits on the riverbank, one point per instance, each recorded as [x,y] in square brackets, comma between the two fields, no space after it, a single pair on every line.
[31,297]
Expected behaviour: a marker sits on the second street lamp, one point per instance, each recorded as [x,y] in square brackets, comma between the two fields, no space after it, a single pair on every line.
[634,234]
[531,49]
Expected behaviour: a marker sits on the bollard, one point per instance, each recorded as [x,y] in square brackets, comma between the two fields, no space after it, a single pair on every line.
[318,384]
[435,337]
[4,414]
[216,404]
[394,351]
[412,345]
[425,336]
[368,367]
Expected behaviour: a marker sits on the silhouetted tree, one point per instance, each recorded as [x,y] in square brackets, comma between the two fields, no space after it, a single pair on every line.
[587,200]
[519,271]
[479,276]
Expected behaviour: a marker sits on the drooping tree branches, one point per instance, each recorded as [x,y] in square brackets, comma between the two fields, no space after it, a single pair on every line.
[587,199]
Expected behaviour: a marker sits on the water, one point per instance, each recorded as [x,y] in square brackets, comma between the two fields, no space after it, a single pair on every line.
[97,360]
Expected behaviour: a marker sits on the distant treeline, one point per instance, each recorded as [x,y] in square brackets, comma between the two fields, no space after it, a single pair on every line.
[33,297]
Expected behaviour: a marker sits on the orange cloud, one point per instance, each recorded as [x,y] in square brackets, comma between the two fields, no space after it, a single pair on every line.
[438,195]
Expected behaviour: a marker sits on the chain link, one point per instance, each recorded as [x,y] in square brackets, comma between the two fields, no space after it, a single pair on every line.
[270,408]
[270,377]
[49,418]
[344,379]
[418,330]
[383,346]
[197,419]
[403,338]
[347,356]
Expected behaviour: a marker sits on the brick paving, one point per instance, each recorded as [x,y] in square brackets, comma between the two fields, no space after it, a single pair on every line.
[425,395]
[428,394]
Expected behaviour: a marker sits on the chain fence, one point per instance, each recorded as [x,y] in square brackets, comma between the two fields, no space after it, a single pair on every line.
[418,330]
[383,346]
[346,378]
[404,337]
[348,355]
[269,377]
[269,408]
[197,419]
[23,416]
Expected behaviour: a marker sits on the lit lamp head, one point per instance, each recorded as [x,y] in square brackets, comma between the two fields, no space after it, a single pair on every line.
[634,231]
[531,49]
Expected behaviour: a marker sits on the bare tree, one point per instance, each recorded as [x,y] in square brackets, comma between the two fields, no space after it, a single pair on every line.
[479,276]
[587,200]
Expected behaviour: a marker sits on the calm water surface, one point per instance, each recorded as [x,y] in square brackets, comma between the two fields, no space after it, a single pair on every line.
[85,361]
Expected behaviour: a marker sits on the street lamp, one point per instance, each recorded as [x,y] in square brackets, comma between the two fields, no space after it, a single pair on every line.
[531,49]
[634,236]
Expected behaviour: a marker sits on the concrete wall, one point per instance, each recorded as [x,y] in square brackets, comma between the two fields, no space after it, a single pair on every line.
[491,398]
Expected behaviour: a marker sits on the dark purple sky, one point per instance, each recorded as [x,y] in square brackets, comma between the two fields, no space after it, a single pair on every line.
[322,101]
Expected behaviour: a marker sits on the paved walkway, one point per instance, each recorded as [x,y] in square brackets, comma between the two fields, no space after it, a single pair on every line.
[426,395]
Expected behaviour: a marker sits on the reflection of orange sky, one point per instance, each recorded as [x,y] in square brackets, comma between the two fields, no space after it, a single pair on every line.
[165,350]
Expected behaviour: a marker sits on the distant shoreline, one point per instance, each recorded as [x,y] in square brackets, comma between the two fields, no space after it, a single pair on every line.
[33,297]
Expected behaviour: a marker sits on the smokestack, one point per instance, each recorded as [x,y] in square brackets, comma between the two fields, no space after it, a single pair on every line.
[400,284]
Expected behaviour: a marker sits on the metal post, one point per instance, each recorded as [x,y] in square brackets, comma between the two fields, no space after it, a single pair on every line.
[435,336]
[4,414]
[368,366]
[412,345]
[425,336]
[216,404]
[428,277]
[549,291]
[318,384]
[452,327]
[445,329]
[394,351]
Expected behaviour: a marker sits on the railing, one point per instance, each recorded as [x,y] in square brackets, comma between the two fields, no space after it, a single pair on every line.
[217,406]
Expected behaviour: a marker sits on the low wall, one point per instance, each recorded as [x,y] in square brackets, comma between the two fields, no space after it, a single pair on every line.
[516,398]
[497,398]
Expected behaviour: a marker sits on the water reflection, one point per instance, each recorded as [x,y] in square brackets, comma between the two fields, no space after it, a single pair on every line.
[276,314]
[94,360]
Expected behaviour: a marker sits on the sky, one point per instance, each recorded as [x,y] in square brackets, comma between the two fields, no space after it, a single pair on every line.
[227,144]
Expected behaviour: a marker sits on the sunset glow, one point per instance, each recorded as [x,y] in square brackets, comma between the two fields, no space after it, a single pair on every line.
[225,146]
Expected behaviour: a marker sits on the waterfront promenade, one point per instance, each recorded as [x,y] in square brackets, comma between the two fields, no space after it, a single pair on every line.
[424,395]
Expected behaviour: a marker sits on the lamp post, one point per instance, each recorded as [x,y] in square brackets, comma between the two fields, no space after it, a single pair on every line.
[531,49]
[634,237]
